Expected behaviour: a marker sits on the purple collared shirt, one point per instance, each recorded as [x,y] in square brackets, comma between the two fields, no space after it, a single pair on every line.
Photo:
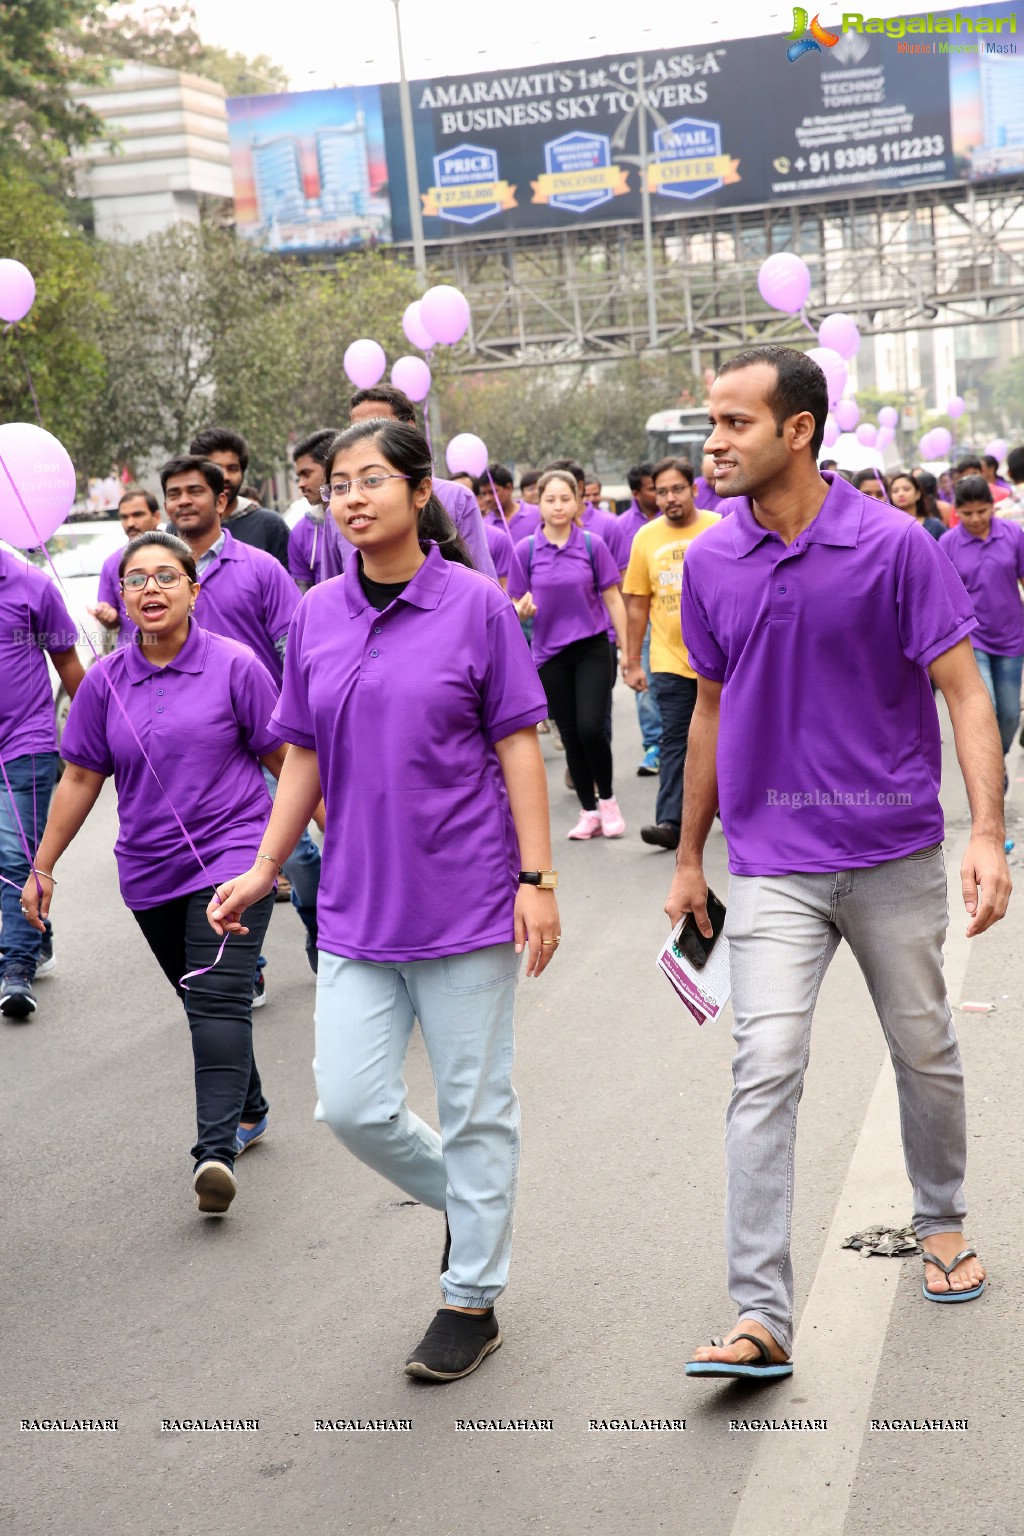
[33,619]
[461,506]
[566,588]
[991,570]
[304,543]
[705,497]
[627,526]
[203,721]
[247,595]
[829,755]
[110,592]
[403,709]
[500,545]
[523,521]
[604,525]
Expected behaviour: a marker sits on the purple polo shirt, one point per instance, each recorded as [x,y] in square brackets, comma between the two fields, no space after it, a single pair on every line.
[562,584]
[304,543]
[991,570]
[522,522]
[604,525]
[705,497]
[627,526]
[110,592]
[403,709]
[826,708]
[33,619]
[500,546]
[203,720]
[461,506]
[248,595]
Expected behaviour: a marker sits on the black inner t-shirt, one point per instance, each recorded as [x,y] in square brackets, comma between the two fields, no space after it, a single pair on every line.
[380,593]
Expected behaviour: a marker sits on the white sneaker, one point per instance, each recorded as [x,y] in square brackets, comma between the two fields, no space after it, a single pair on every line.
[612,823]
[589,825]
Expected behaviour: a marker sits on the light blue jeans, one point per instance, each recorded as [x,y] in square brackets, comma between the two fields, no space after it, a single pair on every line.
[465,1006]
[648,713]
[783,931]
[1001,676]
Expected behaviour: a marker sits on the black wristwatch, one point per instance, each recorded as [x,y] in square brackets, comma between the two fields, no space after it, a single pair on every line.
[546,879]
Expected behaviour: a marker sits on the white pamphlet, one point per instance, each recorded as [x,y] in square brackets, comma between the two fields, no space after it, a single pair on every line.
[705,993]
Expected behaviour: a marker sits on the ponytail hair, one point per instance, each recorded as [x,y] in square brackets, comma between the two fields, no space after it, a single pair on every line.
[405,448]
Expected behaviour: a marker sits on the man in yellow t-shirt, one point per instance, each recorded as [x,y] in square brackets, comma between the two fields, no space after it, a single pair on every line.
[652,585]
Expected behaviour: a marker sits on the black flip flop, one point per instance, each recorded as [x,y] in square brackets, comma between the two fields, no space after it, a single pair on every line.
[765,1369]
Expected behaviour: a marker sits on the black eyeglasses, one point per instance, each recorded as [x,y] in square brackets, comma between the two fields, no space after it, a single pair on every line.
[370,483]
[136,580]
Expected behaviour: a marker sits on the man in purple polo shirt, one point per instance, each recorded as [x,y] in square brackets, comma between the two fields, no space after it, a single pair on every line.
[138,511]
[505,513]
[249,523]
[33,619]
[245,594]
[811,606]
[460,504]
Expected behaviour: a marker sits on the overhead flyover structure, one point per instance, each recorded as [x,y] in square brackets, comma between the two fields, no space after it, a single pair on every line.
[923,259]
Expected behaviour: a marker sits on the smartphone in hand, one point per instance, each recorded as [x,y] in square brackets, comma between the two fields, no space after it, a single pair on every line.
[691,943]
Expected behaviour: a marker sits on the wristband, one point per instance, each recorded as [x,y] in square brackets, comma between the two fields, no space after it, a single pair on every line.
[269,858]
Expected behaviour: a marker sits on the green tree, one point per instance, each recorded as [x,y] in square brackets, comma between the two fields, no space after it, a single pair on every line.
[45,51]
[57,343]
[1007,387]
[168,35]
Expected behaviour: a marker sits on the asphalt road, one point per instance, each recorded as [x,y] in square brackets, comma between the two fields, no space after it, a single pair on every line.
[120,1302]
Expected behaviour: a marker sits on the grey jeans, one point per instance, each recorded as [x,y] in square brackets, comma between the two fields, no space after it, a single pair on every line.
[783,931]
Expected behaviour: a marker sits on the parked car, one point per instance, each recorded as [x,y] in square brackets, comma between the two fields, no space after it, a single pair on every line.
[77,551]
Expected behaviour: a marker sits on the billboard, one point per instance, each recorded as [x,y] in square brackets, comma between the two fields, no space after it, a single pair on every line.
[875,105]
[309,169]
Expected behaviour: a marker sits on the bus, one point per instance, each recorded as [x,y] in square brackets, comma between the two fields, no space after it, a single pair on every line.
[680,433]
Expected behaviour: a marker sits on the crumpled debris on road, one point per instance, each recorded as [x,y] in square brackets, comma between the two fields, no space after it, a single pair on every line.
[888,1242]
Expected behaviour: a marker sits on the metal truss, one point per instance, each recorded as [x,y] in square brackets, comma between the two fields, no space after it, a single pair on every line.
[939,256]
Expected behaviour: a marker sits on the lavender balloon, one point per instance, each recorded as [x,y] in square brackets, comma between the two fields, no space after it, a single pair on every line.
[830,436]
[445,314]
[412,376]
[942,441]
[956,407]
[867,434]
[416,332]
[886,435]
[839,332]
[834,369]
[35,469]
[926,447]
[889,417]
[997,448]
[364,363]
[466,454]
[17,290]
[784,282]
[847,415]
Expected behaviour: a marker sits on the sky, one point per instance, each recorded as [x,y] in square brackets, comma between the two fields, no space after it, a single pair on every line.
[348,44]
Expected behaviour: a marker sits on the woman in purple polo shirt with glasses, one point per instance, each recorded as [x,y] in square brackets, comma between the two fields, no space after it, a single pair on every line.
[411,701]
[569,579]
[197,706]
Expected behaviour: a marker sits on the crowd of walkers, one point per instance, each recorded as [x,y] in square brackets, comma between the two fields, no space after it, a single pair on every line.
[381,672]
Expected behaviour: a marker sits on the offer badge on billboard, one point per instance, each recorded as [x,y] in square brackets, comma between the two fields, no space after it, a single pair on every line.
[688,160]
[579,173]
[467,186]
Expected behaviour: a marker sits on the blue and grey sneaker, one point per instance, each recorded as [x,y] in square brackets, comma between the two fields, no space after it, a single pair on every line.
[651,765]
[246,1137]
[17,1000]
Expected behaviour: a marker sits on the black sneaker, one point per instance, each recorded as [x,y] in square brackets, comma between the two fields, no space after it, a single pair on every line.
[17,1000]
[454,1345]
[661,834]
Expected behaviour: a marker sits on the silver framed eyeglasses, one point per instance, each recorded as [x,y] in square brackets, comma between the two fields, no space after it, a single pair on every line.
[136,580]
[341,488]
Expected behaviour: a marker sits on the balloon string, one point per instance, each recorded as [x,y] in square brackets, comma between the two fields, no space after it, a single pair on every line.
[426,428]
[808,324]
[115,695]
[501,509]
[28,375]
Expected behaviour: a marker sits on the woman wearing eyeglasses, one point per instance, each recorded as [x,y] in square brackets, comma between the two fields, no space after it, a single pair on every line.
[411,702]
[180,719]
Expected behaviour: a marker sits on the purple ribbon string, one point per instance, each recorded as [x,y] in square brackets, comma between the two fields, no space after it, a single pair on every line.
[134,733]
